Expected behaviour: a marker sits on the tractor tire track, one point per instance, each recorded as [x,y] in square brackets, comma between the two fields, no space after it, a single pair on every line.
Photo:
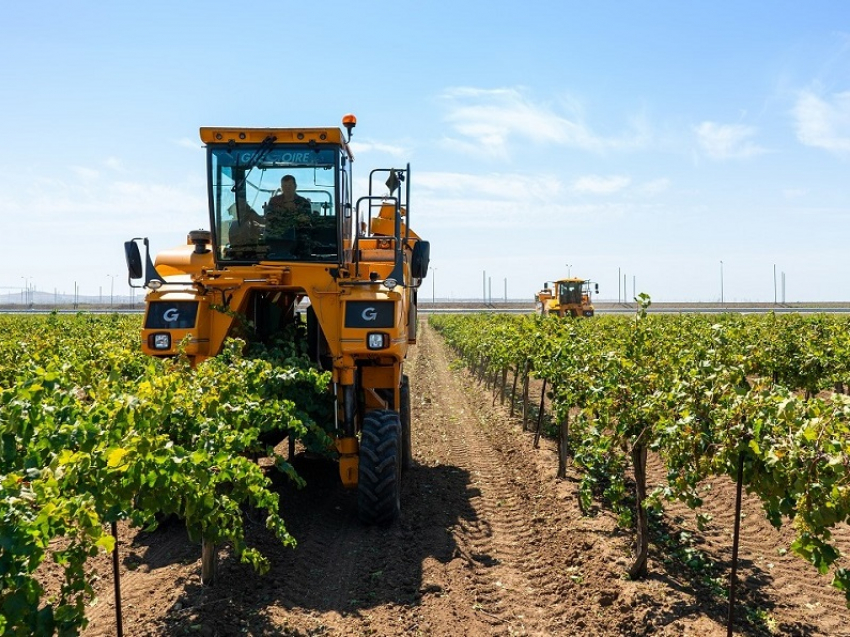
[500,542]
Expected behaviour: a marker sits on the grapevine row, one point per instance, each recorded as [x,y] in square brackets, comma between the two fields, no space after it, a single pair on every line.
[705,393]
[92,432]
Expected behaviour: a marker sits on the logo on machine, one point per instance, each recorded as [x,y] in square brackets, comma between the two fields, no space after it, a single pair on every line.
[171,315]
[289,157]
[370,314]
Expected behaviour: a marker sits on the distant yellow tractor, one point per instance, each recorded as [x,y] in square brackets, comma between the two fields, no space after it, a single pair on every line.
[566,297]
[289,245]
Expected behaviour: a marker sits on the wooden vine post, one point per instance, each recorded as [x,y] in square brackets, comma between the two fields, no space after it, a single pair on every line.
[525,397]
[116,577]
[563,433]
[639,568]
[513,391]
[540,416]
[733,576]
[209,557]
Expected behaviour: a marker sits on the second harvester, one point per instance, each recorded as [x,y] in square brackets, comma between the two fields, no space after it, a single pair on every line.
[566,297]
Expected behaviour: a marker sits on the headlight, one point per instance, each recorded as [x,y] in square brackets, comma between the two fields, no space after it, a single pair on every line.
[161,340]
[390,283]
[377,340]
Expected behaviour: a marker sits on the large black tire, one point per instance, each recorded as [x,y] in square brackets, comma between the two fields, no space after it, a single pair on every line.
[404,413]
[379,479]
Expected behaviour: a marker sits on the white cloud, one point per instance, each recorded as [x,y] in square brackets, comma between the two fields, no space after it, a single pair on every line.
[497,202]
[185,142]
[487,120]
[363,147]
[113,163]
[495,186]
[88,204]
[88,173]
[824,123]
[531,220]
[727,141]
[655,187]
[597,185]
[84,172]
[83,222]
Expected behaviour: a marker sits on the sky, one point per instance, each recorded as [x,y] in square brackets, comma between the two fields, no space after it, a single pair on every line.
[691,151]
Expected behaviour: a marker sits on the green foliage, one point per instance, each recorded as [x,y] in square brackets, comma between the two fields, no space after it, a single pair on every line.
[92,431]
[701,391]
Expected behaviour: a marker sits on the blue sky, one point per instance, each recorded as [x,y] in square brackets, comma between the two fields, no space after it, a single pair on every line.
[645,140]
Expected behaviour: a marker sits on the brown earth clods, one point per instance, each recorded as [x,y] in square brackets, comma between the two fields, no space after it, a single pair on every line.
[488,543]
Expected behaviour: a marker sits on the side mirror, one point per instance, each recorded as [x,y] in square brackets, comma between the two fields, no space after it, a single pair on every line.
[134,259]
[135,269]
[420,259]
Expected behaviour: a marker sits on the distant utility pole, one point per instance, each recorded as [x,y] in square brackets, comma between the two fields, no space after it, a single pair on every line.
[433,286]
[26,291]
[618,285]
[111,290]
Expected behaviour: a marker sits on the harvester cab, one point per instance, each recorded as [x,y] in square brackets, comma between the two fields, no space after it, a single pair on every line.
[289,244]
[567,297]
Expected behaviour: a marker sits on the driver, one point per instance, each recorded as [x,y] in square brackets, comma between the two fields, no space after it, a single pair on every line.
[287,211]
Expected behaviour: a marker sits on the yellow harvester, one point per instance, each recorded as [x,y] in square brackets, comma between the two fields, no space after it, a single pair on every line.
[351,266]
[566,297]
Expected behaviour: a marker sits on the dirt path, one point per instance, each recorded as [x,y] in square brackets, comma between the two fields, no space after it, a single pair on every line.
[489,543]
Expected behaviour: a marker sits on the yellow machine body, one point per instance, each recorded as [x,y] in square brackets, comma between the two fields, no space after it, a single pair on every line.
[566,297]
[272,257]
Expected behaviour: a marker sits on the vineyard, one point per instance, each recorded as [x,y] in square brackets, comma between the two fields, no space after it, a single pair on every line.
[760,400]
[93,432]
[619,523]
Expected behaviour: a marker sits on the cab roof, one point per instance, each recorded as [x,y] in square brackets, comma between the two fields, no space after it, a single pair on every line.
[225,135]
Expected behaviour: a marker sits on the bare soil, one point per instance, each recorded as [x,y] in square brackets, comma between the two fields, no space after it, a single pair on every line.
[488,543]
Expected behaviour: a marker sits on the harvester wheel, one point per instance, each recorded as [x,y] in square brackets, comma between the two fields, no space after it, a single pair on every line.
[406,438]
[379,481]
